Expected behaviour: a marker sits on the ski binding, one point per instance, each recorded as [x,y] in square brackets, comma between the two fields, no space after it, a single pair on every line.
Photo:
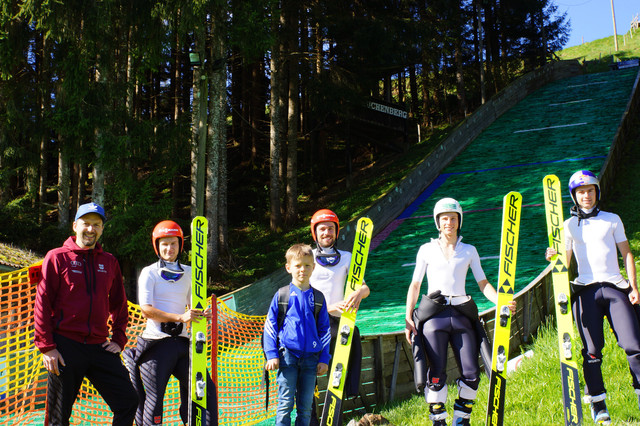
[563,301]
[504,315]
[344,334]
[200,341]
[337,376]
[502,359]
[200,384]
[566,339]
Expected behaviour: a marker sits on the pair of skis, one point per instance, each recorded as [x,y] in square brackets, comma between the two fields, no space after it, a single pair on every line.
[560,276]
[564,317]
[511,213]
[198,346]
[332,409]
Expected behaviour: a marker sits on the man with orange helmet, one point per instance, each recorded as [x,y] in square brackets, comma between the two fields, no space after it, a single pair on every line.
[164,294]
[330,277]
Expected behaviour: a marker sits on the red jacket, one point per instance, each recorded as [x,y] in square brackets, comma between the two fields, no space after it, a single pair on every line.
[79,290]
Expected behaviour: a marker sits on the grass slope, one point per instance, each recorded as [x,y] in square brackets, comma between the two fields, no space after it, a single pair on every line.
[599,54]
[534,390]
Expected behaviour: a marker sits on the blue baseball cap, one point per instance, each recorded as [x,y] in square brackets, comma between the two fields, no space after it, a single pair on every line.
[90,208]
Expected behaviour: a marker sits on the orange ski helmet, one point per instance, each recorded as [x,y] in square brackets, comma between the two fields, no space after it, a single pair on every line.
[167,228]
[324,215]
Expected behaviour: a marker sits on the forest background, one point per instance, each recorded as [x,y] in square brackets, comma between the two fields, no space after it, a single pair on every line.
[246,111]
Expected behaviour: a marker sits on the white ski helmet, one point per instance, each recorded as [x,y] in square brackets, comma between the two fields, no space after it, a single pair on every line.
[582,178]
[447,205]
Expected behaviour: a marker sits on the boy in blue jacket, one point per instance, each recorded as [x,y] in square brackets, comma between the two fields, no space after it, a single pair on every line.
[298,344]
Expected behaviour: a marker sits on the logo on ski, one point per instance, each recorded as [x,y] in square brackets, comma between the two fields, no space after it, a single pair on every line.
[511,213]
[560,277]
[198,353]
[338,371]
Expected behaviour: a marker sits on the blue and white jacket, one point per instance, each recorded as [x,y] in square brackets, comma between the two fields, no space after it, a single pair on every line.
[300,333]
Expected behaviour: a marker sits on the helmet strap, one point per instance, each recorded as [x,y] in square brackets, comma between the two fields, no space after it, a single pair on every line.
[326,258]
[581,214]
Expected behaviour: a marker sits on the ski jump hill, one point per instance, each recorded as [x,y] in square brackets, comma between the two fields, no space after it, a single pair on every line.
[552,120]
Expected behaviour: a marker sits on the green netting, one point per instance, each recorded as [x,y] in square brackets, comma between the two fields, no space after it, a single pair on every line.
[565,126]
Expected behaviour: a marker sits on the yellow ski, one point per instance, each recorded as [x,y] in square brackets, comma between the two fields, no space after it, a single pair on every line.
[512,207]
[338,371]
[198,350]
[562,296]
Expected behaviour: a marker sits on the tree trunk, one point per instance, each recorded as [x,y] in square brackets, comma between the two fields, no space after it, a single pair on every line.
[293,115]
[217,136]
[63,187]
[413,88]
[479,49]
[198,131]
[277,129]
[44,154]
[97,184]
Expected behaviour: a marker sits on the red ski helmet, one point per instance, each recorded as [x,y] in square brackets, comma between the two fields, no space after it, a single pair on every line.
[324,215]
[167,228]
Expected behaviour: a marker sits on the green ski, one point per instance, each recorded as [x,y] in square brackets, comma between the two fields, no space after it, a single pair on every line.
[562,295]
[198,350]
[338,371]
[512,208]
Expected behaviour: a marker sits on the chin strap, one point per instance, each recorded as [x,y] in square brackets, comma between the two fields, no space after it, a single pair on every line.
[327,259]
[580,214]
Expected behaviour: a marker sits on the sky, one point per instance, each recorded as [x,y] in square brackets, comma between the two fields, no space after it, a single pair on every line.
[592,20]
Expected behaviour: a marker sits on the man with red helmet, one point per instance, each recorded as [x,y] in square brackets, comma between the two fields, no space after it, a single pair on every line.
[164,294]
[80,291]
[330,277]
[595,237]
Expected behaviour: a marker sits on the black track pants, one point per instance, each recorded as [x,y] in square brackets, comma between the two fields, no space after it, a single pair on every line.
[106,373]
[167,357]
[352,381]
[450,326]
[590,306]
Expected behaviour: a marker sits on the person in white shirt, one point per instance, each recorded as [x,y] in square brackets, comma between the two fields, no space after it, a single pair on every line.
[446,314]
[164,294]
[600,290]
[330,277]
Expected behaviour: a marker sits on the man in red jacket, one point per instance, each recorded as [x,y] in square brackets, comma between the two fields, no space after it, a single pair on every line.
[80,290]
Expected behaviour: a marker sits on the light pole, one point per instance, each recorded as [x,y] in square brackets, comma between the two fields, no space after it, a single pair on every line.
[615,32]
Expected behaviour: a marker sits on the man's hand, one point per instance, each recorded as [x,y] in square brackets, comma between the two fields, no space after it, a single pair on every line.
[272,364]
[352,303]
[193,315]
[550,253]
[53,361]
[112,347]
[322,369]
[410,328]
[208,312]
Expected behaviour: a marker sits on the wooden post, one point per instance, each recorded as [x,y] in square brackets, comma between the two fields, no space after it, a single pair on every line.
[394,372]
[378,356]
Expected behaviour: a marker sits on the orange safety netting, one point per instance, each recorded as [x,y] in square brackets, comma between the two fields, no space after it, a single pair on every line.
[23,379]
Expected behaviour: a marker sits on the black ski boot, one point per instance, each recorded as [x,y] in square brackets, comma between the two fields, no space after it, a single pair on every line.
[438,414]
[462,411]
[600,413]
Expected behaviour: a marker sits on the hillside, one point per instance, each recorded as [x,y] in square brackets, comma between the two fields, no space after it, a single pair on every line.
[599,54]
